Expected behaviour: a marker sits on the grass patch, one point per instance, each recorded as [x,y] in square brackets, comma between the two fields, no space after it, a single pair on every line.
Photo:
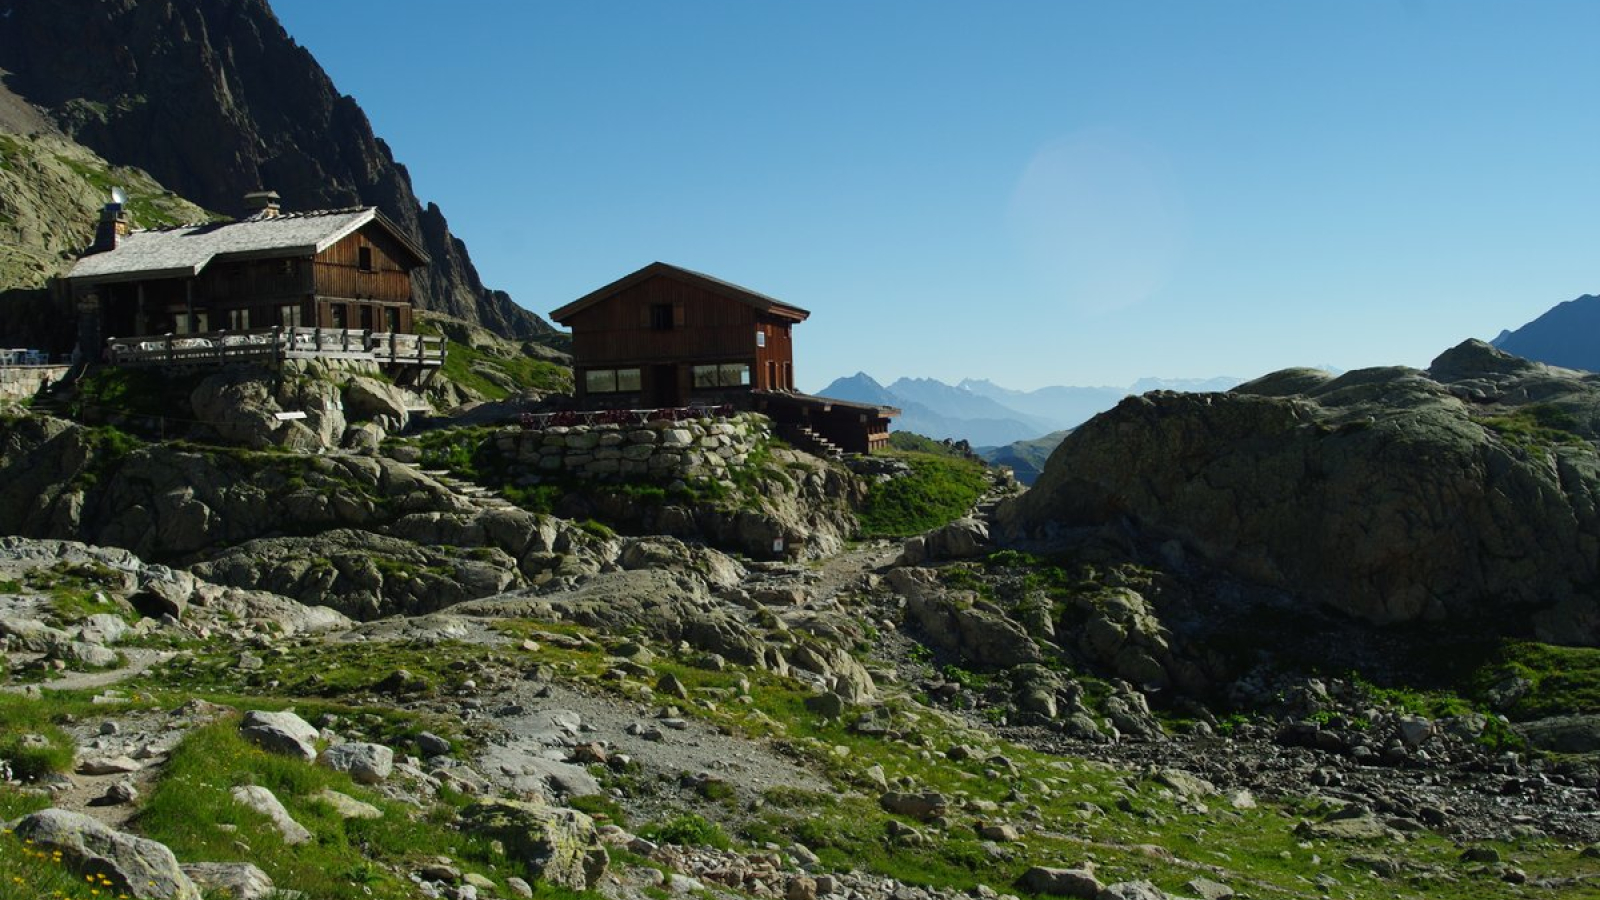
[118,391]
[466,365]
[192,808]
[1563,680]
[688,830]
[911,442]
[32,745]
[1536,426]
[939,490]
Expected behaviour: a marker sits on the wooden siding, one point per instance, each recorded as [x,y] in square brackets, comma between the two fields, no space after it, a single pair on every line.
[252,281]
[774,362]
[705,327]
[339,272]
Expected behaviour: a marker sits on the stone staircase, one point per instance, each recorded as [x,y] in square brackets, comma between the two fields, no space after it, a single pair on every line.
[476,494]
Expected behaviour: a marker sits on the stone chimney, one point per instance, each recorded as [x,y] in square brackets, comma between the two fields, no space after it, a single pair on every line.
[261,205]
[115,223]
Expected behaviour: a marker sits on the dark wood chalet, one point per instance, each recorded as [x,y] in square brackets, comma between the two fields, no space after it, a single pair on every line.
[665,336]
[325,283]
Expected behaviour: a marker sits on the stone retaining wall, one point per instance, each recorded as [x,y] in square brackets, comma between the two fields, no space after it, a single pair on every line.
[661,450]
[22,382]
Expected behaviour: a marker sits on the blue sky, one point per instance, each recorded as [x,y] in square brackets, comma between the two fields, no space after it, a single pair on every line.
[1034,193]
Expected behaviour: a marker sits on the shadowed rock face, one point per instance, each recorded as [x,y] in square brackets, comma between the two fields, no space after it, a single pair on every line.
[1465,491]
[215,100]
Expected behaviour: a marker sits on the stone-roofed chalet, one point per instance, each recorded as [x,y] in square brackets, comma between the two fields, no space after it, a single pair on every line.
[333,283]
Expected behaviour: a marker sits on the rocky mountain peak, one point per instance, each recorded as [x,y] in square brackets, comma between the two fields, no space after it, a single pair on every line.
[215,100]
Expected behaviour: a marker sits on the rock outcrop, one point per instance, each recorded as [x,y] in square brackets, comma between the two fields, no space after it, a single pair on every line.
[1468,490]
[165,502]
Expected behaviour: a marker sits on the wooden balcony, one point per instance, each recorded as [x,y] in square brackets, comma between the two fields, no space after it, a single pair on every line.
[271,346]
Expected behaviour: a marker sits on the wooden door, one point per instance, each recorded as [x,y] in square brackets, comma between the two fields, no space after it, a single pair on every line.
[664,386]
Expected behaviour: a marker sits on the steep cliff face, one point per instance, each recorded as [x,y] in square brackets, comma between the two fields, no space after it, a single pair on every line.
[215,100]
[1469,491]
[51,191]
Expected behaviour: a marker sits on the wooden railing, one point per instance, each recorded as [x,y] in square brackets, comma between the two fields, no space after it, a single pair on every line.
[218,348]
[540,421]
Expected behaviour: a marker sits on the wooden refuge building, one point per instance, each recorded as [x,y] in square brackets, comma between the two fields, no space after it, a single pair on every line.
[665,336]
[331,283]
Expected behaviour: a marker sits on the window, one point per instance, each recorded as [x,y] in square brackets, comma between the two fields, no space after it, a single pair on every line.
[722,375]
[391,318]
[239,319]
[661,316]
[337,314]
[364,259]
[761,337]
[611,381]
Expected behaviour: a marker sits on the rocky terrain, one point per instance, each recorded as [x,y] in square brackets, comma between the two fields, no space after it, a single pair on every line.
[1465,492]
[144,84]
[425,665]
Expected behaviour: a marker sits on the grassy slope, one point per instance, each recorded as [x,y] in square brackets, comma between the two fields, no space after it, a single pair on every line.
[939,489]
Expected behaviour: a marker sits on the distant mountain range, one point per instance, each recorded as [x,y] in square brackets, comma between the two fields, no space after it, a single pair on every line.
[1568,335]
[987,415]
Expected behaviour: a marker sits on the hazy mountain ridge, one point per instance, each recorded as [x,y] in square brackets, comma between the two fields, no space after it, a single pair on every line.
[926,420]
[215,100]
[991,416]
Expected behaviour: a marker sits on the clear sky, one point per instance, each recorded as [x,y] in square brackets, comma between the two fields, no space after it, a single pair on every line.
[1031,192]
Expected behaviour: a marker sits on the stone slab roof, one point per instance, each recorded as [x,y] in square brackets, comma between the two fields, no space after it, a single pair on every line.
[183,251]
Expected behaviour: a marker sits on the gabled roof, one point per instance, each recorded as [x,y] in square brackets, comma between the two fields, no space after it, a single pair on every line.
[715,285]
[183,251]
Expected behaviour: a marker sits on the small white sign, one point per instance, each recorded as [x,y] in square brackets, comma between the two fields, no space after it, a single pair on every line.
[286,416]
[777,545]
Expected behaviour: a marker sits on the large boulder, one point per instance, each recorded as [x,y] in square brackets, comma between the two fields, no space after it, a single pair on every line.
[1564,734]
[559,845]
[265,802]
[236,881]
[1080,883]
[280,732]
[366,763]
[255,409]
[1392,495]
[959,621]
[135,866]
[368,398]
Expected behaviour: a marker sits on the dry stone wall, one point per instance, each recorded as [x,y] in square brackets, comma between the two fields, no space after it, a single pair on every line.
[659,450]
[22,382]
